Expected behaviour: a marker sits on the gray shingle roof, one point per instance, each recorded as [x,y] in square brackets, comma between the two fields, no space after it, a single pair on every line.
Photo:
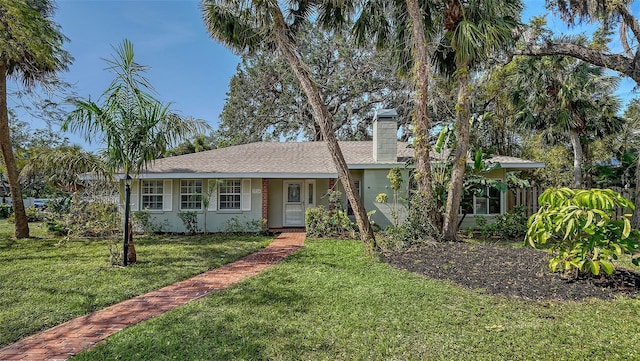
[283,158]
[514,162]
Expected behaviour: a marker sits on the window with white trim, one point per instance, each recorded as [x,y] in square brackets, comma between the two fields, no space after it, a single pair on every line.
[152,194]
[230,194]
[191,194]
[485,201]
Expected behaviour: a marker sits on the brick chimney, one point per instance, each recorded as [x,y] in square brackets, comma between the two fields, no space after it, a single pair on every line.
[385,136]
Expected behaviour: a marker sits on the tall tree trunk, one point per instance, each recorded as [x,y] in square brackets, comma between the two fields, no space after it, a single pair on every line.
[22,225]
[421,121]
[635,219]
[587,161]
[577,158]
[324,120]
[463,112]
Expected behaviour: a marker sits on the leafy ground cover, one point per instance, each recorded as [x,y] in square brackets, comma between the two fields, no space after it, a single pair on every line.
[330,301]
[44,282]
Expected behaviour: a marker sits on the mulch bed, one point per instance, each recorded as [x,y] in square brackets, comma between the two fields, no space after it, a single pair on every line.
[510,271]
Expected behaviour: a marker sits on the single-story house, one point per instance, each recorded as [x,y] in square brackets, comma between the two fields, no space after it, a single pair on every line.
[275,182]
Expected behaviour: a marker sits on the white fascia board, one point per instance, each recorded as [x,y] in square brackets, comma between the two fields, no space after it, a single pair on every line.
[378,166]
[297,175]
[234,175]
[522,165]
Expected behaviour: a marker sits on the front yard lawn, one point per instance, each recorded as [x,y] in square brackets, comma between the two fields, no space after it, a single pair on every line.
[44,282]
[330,301]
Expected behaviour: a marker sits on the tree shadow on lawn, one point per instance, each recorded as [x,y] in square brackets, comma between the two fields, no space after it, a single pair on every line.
[510,271]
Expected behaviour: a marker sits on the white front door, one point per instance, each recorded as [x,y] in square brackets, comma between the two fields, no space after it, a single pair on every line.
[298,196]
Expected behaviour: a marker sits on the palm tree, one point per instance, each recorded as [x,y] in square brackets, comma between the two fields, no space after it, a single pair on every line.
[62,167]
[406,27]
[134,127]
[609,14]
[421,121]
[633,114]
[567,97]
[30,51]
[472,31]
[246,26]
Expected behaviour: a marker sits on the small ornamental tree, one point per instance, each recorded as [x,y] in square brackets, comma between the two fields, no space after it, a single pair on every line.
[211,189]
[395,178]
[580,229]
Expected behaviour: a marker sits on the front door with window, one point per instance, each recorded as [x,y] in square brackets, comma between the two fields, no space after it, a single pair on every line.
[298,196]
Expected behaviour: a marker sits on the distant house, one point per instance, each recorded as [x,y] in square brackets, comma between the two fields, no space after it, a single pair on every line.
[278,181]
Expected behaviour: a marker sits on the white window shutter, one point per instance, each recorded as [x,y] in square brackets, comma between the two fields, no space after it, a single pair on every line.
[246,194]
[213,199]
[135,196]
[167,192]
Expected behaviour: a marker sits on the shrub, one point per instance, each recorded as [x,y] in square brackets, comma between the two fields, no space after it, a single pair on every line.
[5,210]
[236,225]
[321,222]
[257,226]
[513,224]
[233,225]
[581,231]
[33,215]
[57,227]
[83,217]
[60,205]
[142,222]
[316,220]
[190,221]
[509,226]
[414,230]
[335,199]
[486,230]
[91,217]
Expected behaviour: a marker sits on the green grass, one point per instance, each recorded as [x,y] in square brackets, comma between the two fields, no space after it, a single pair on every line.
[330,301]
[44,282]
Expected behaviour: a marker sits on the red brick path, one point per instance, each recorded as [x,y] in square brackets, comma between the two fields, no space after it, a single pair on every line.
[69,338]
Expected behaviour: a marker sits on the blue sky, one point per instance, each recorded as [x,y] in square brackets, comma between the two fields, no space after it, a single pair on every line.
[188,68]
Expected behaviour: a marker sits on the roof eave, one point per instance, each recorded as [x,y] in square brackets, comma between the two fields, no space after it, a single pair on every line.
[521,165]
[376,165]
[218,175]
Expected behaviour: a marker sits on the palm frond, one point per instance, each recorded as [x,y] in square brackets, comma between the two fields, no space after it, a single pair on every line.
[134,126]
[31,43]
[63,167]
[234,26]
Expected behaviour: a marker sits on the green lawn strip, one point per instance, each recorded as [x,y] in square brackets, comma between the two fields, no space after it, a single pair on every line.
[43,283]
[330,301]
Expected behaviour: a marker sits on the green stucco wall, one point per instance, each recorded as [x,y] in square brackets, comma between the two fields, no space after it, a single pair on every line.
[376,182]
[372,183]
[217,221]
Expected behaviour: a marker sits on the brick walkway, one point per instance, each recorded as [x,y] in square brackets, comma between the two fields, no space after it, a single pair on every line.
[68,339]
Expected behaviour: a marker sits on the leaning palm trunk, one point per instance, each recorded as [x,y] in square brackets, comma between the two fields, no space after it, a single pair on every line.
[450,227]
[323,118]
[577,158]
[22,225]
[421,122]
